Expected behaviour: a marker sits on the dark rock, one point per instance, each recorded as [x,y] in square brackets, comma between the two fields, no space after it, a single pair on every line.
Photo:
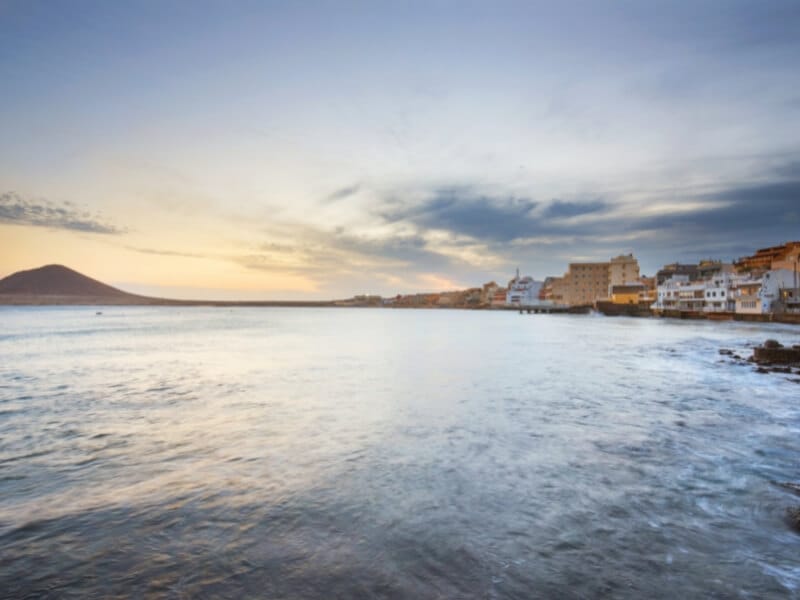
[773,344]
[766,355]
[762,370]
[737,357]
[725,352]
[788,485]
[793,517]
[781,370]
[751,359]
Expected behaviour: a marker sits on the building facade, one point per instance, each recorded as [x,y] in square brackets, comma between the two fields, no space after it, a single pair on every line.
[586,283]
[776,291]
[523,291]
[622,270]
[764,259]
[627,294]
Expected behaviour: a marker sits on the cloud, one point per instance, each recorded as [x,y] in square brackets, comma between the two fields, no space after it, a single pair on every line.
[343,193]
[328,254]
[741,212]
[160,252]
[495,218]
[676,224]
[559,209]
[16,210]
[745,217]
[461,211]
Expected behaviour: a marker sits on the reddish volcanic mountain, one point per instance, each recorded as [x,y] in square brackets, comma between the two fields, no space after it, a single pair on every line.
[57,285]
[57,280]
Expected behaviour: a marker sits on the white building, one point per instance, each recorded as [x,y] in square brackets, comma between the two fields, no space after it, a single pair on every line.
[745,296]
[775,291]
[779,291]
[714,294]
[524,291]
[718,292]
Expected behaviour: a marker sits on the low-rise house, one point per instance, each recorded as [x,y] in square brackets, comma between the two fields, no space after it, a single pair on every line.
[780,292]
[487,292]
[499,298]
[745,296]
[775,291]
[708,295]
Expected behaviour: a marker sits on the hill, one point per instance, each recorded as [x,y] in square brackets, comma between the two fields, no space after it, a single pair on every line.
[58,285]
[56,280]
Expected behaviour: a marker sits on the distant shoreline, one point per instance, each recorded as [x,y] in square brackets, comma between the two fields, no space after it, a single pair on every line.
[63,300]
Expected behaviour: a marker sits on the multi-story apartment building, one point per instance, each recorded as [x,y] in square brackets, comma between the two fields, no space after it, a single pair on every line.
[789,261]
[764,259]
[623,270]
[585,283]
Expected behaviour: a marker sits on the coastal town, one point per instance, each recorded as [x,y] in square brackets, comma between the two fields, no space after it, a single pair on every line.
[762,286]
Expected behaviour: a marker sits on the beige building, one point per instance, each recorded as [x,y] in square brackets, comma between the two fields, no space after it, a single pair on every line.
[558,290]
[790,261]
[623,270]
[587,282]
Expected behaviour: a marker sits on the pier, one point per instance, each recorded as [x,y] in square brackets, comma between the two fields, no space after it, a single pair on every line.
[551,310]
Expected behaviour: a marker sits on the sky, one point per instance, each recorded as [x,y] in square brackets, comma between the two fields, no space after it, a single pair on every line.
[293,150]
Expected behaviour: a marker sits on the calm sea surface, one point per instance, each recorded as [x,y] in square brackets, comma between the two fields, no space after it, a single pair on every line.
[356,453]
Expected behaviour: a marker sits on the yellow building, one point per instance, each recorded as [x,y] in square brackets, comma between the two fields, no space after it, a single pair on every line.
[626,294]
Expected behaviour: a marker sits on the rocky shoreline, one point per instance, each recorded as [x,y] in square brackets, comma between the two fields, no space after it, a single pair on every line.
[774,357]
[770,357]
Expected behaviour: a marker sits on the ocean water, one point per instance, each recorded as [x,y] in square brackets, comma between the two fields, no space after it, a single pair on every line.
[357,453]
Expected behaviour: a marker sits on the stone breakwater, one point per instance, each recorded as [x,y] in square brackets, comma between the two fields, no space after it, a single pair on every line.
[773,352]
[770,357]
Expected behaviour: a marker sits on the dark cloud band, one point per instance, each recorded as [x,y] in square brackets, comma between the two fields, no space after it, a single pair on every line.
[16,210]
